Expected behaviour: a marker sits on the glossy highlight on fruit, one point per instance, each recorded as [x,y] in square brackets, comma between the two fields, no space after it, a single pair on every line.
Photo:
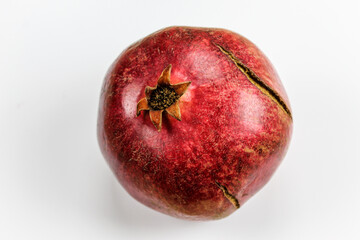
[193,121]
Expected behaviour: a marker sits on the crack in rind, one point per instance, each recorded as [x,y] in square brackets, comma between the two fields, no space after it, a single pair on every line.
[255,80]
[229,196]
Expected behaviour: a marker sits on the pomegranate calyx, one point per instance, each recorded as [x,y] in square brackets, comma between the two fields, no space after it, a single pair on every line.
[163,97]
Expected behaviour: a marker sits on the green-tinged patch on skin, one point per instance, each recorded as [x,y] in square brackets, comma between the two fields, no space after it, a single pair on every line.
[256,81]
[229,196]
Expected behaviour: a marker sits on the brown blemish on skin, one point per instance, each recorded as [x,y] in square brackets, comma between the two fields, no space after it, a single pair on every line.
[255,80]
[229,196]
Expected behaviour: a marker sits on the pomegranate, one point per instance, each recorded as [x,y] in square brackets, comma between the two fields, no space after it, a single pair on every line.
[193,121]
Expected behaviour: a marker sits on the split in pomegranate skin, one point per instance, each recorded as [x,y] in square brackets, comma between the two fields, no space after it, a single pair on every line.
[235,127]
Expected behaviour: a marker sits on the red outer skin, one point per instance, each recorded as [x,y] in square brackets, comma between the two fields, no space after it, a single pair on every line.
[230,132]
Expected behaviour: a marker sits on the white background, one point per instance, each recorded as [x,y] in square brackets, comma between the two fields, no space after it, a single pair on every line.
[54,183]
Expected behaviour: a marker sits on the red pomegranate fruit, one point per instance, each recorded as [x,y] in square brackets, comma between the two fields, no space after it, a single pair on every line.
[193,121]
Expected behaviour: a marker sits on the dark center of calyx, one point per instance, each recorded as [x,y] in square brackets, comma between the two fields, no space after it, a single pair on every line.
[162,98]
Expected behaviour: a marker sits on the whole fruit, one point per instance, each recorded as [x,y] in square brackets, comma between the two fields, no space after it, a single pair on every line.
[193,121]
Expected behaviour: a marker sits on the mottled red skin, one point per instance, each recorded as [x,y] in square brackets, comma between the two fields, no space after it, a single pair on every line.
[230,132]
